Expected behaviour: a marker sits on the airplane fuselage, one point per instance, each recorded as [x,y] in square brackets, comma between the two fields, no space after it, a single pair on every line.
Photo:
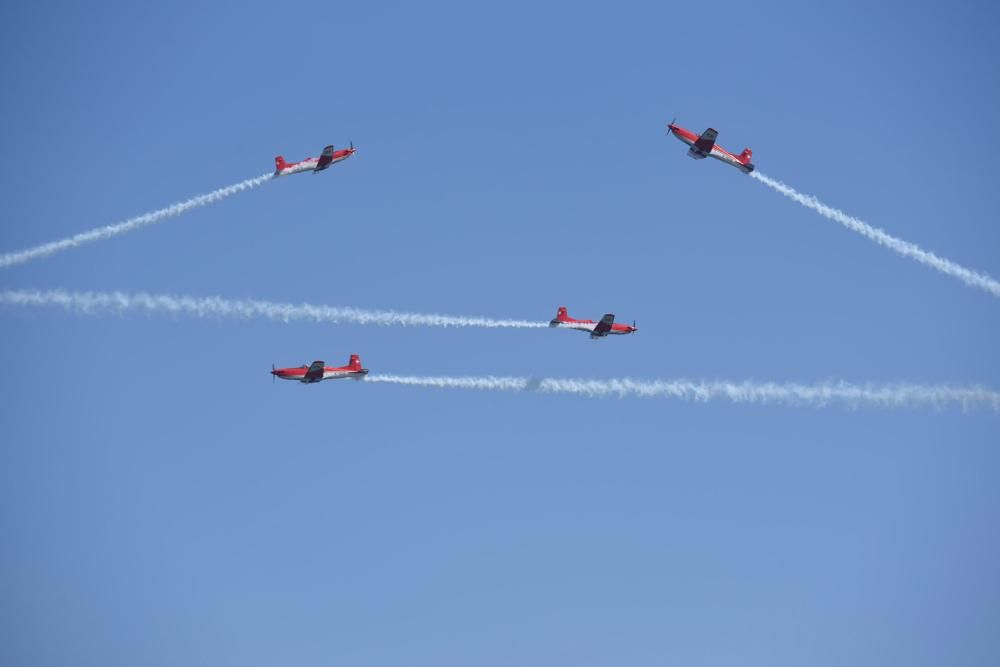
[588,326]
[300,374]
[606,327]
[317,371]
[309,164]
[718,152]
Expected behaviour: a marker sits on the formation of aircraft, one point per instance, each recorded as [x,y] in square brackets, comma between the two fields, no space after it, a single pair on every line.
[605,327]
[329,156]
[701,146]
[317,371]
[704,146]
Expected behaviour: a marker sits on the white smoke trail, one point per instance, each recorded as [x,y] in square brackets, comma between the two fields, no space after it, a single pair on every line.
[849,395]
[905,248]
[216,307]
[129,225]
[899,395]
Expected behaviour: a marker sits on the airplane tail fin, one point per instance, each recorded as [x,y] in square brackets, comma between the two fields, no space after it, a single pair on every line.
[561,316]
[279,163]
[746,156]
[355,364]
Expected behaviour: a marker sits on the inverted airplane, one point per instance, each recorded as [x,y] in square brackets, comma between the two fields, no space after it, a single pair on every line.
[704,146]
[606,326]
[317,371]
[328,157]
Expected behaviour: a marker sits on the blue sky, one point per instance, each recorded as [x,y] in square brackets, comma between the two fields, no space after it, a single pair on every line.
[162,502]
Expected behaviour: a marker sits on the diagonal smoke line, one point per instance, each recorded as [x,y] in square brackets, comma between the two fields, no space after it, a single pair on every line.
[217,307]
[905,248]
[898,395]
[101,233]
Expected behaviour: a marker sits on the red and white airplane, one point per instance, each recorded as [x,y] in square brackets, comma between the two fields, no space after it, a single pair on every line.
[600,329]
[313,164]
[704,146]
[317,372]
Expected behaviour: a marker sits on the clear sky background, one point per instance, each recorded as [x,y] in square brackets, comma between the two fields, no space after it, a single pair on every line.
[162,502]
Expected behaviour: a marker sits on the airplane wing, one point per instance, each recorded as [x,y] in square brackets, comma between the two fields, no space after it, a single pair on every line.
[325,159]
[706,140]
[604,326]
[315,372]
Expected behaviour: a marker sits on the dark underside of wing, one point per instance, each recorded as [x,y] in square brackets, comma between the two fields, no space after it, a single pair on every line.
[604,326]
[315,371]
[706,141]
[325,159]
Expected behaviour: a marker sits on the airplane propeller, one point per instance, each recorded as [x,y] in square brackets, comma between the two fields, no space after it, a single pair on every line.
[634,328]
[273,376]
[670,127]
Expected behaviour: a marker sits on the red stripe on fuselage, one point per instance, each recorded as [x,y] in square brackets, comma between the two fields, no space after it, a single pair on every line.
[686,136]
